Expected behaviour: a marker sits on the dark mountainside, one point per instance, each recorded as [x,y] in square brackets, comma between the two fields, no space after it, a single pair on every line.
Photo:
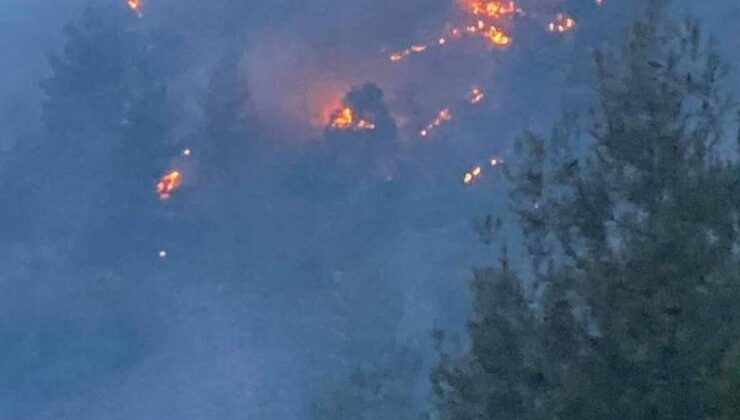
[249,210]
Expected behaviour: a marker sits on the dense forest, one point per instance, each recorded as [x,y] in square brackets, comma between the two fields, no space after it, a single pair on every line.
[625,304]
[630,223]
[608,287]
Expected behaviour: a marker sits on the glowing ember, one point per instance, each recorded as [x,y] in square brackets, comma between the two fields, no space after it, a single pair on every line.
[136,6]
[414,49]
[497,36]
[365,125]
[496,161]
[186,152]
[168,184]
[562,23]
[162,254]
[471,176]
[442,117]
[494,34]
[344,119]
[476,96]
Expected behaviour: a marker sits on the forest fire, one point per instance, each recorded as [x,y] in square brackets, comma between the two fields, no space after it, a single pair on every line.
[344,119]
[562,23]
[136,6]
[168,184]
[442,117]
[485,11]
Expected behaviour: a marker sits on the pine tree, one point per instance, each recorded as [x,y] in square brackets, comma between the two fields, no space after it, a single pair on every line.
[631,246]
[105,116]
[381,390]
[498,376]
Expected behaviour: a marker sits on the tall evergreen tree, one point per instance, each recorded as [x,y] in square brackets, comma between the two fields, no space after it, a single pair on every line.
[632,248]
[105,115]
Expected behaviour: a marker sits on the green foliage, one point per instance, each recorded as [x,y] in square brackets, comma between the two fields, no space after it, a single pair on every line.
[105,115]
[498,376]
[384,390]
[632,251]
[729,385]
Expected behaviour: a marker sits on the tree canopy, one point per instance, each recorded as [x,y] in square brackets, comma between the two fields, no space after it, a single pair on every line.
[630,228]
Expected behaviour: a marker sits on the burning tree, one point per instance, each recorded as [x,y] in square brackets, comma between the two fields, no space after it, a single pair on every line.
[631,249]
[104,113]
[363,109]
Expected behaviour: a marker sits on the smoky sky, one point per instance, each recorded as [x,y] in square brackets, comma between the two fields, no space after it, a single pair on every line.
[295,252]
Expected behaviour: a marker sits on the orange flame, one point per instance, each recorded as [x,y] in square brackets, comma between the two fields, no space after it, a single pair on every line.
[561,24]
[136,6]
[168,184]
[497,36]
[489,8]
[344,119]
[477,171]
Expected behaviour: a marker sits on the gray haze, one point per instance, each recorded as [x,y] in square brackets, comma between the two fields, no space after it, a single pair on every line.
[295,253]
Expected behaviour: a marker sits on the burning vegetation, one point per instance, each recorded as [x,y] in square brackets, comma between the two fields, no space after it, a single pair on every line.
[488,24]
[477,172]
[443,116]
[136,6]
[498,36]
[168,184]
[491,9]
[363,110]
[345,119]
[561,24]
[476,96]
[472,175]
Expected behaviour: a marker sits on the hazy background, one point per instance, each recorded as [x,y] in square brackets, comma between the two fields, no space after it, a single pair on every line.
[294,255]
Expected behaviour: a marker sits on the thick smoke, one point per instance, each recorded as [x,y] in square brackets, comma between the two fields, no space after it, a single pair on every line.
[295,252]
